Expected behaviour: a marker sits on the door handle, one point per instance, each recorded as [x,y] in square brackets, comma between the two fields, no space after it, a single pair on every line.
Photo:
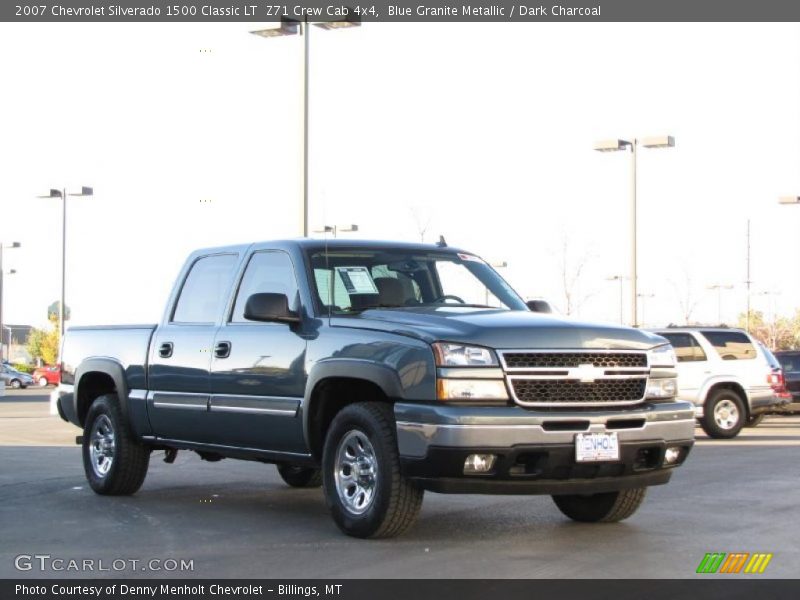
[165,350]
[222,350]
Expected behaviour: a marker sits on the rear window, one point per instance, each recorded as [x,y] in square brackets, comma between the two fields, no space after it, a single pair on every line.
[790,362]
[731,345]
[686,347]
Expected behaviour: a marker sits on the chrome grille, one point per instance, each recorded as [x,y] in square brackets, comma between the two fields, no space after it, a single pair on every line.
[576,378]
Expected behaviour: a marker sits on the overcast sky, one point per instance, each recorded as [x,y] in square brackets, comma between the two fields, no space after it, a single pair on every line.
[191,136]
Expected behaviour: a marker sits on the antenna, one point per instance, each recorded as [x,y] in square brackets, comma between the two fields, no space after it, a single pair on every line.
[441,243]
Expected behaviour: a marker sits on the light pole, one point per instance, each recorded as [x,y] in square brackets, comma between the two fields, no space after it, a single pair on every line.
[719,287]
[62,193]
[621,279]
[2,273]
[664,141]
[293,27]
[335,229]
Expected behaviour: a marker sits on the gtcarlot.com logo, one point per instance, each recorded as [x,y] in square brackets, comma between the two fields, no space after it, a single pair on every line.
[734,563]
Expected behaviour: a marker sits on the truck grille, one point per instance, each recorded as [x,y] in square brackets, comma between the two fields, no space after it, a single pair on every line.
[552,392]
[565,360]
[576,378]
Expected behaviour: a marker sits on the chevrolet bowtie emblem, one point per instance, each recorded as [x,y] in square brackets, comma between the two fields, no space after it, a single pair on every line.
[586,373]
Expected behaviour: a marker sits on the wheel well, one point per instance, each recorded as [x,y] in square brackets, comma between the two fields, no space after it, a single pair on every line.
[328,398]
[733,387]
[92,386]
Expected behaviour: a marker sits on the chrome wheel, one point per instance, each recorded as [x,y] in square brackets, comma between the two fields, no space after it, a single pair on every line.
[726,414]
[356,472]
[101,446]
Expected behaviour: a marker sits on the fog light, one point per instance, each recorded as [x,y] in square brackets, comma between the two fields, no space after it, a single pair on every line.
[672,454]
[478,463]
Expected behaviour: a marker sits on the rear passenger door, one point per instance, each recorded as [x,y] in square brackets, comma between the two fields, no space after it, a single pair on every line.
[180,355]
[258,374]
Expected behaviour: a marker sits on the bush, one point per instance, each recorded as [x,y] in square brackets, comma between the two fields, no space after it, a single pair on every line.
[23,368]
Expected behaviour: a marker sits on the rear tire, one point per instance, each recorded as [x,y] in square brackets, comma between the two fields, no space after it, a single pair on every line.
[43,382]
[16,384]
[724,415]
[114,461]
[300,477]
[610,507]
[364,490]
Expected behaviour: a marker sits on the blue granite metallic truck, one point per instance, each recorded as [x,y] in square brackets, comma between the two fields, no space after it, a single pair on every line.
[378,370]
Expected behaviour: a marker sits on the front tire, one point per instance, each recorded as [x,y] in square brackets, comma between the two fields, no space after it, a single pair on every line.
[364,490]
[610,507]
[300,477]
[724,415]
[115,463]
[16,384]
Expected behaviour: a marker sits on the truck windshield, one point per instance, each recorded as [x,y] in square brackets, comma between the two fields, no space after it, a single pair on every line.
[349,281]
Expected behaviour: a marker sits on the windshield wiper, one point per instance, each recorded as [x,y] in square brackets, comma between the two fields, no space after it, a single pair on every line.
[370,306]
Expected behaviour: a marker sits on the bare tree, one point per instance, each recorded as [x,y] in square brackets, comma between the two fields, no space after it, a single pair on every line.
[421,220]
[684,292]
[571,269]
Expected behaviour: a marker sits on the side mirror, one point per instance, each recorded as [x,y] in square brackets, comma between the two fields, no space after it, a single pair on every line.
[269,307]
[540,306]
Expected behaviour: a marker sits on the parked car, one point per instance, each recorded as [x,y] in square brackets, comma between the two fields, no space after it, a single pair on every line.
[377,370]
[778,383]
[45,376]
[726,374]
[790,361]
[13,378]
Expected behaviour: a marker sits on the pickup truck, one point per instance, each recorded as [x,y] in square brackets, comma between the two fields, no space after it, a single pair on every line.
[378,370]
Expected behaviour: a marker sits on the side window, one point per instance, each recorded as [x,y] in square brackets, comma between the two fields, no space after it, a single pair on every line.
[686,347]
[205,289]
[267,272]
[731,345]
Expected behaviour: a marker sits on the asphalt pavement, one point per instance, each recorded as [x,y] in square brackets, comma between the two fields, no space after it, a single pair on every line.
[238,519]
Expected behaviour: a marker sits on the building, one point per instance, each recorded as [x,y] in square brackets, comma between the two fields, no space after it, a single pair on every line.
[15,343]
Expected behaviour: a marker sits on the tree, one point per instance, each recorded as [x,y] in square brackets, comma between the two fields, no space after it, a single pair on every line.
[778,333]
[686,298]
[52,311]
[44,344]
[571,269]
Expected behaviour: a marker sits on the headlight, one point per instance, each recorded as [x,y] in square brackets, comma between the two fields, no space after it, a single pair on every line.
[471,389]
[458,355]
[662,356]
[659,389]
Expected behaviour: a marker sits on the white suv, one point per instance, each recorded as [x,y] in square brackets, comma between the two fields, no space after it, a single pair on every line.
[725,374]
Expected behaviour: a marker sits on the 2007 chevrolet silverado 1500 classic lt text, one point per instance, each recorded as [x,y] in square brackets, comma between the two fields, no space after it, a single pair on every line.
[378,370]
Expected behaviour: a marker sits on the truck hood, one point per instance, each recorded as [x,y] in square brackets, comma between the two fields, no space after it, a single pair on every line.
[499,328]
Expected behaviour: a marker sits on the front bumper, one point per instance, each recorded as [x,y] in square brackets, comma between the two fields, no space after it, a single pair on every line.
[535,450]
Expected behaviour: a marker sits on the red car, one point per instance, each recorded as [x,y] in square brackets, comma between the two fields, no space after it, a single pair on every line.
[45,376]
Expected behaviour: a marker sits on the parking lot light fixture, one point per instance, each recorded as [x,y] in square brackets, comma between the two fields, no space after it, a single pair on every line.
[789,200]
[336,229]
[295,27]
[62,193]
[616,145]
[2,273]
[719,287]
[621,279]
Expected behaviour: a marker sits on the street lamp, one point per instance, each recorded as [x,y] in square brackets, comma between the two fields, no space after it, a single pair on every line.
[664,141]
[621,279]
[2,273]
[789,200]
[62,193]
[719,287]
[336,229]
[293,27]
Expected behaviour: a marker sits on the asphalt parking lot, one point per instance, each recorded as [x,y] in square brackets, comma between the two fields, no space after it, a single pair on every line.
[238,519]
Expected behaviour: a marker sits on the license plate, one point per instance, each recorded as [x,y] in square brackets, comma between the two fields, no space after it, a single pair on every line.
[596,447]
